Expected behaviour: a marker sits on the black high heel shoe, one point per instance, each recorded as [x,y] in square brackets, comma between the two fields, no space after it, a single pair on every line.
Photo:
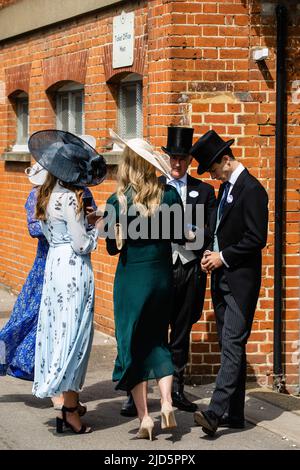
[60,422]
[82,409]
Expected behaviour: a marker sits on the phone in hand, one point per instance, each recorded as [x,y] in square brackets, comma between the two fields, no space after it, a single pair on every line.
[87,202]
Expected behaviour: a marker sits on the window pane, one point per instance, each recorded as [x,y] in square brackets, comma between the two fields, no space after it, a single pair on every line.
[22,120]
[64,112]
[78,114]
[70,111]
[130,110]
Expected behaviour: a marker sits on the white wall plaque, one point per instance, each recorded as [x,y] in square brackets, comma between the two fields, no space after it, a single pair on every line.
[123,40]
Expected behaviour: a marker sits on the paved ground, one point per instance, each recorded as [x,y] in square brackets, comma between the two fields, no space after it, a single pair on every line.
[28,422]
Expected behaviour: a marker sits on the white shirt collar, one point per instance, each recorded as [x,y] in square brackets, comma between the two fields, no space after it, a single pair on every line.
[183,179]
[236,173]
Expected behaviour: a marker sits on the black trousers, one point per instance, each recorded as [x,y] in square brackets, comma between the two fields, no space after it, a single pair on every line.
[233,331]
[188,298]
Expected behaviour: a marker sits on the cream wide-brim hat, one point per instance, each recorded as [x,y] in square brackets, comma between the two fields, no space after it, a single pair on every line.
[36,174]
[143,149]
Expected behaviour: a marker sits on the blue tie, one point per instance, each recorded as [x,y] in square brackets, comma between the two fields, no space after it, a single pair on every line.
[177,184]
[224,198]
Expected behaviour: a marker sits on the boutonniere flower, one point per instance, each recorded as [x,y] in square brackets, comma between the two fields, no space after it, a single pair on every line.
[229,199]
[194,194]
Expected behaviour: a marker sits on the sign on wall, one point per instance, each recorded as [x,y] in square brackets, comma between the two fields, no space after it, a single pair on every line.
[123,40]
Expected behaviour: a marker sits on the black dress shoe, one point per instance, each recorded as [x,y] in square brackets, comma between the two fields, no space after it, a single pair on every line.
[180,401]
[128,407]
[231,422]
[208,420]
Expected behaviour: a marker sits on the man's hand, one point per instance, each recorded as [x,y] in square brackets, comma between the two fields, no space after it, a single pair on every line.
[211,260]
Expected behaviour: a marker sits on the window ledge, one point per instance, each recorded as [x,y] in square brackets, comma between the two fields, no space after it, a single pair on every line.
[112,158]
[16,157]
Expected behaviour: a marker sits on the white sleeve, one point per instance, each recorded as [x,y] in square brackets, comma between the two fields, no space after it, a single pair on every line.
[223,260]
[82,242]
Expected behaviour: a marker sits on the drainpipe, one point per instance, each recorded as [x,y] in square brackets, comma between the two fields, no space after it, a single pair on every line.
[281,15]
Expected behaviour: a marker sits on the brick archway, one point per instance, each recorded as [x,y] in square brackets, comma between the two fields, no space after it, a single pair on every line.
[67,67]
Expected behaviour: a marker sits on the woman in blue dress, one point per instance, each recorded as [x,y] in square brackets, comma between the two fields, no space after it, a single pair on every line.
[19,334]
[65,325]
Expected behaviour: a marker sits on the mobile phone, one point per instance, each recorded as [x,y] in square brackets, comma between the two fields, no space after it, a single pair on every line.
[87,201]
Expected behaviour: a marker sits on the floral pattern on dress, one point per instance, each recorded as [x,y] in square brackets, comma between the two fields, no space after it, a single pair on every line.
[65,326]
[19,333]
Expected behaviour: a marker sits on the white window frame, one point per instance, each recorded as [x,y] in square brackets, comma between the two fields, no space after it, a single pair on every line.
[21,135]
[70,91]
[135,79]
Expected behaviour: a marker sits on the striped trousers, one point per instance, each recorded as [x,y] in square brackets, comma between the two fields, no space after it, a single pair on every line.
[233,331]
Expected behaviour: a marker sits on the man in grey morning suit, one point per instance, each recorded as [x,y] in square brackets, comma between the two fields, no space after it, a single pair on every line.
[240,227]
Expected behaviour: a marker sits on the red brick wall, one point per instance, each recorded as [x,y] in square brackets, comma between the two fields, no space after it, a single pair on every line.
[198,71]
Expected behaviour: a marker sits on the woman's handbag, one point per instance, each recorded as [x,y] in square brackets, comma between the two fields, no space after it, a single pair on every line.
[119,235]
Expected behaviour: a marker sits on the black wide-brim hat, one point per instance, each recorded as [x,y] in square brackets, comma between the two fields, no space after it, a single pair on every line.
[67,157]
[179,142]
[207,149]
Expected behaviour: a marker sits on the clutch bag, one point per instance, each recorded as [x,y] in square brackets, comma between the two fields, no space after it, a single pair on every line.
[119,235]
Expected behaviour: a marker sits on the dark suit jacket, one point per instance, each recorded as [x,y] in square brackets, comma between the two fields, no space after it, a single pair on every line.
[242,234]
[206,196]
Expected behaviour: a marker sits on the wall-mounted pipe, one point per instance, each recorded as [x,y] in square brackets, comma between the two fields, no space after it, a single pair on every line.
[280,161]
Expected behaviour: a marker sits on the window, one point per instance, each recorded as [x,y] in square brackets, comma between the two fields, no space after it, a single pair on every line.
[22,114]
[130,107]
[70,108]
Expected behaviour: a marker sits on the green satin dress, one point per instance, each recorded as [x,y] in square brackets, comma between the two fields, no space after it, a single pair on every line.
[142,302]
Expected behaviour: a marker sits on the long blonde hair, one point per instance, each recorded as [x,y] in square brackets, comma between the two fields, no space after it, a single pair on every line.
[44,194]
[136,173]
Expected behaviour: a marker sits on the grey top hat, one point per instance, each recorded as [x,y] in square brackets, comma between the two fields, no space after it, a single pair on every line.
[67,157]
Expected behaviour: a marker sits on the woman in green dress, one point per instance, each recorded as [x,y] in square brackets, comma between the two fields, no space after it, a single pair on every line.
[143,281]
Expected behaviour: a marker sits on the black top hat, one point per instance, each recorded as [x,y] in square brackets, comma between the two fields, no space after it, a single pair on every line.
[67,157]
[207,149]
[180,140]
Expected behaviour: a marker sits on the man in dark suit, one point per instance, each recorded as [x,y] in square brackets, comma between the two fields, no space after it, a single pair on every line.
[239,226]
[189,281]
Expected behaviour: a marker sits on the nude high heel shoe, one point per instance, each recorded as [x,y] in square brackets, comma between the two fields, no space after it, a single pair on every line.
[146,428]
[167,416]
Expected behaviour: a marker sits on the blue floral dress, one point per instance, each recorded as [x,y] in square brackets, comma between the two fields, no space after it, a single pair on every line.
[65,325]
[18,335]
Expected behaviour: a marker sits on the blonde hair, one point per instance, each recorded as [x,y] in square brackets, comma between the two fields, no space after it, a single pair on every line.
[44,194]
[136,173]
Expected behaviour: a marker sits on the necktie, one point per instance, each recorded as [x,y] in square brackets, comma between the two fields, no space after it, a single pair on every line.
[178,184]
[224,198]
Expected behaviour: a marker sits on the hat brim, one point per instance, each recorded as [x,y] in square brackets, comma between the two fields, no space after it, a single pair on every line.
[203,168]
[154,158]
[36,174]
[40,144]
[39,178]
[172,154]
